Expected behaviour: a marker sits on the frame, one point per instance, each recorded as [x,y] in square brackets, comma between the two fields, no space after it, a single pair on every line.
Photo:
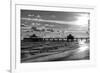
[18,11]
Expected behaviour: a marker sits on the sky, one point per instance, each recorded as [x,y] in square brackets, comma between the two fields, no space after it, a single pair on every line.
[54,23]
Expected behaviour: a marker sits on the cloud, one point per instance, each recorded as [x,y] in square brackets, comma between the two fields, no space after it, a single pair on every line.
[50,21]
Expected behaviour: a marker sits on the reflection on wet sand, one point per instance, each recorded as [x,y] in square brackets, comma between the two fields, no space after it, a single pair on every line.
[82,52]
[58,51]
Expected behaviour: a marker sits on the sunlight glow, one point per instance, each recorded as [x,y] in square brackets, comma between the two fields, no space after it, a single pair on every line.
[82,42]
[82,20]
[83,47]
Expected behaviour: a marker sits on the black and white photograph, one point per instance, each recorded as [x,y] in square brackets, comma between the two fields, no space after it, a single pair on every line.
[51,36]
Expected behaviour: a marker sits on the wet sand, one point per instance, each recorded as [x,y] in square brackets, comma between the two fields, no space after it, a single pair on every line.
[56,51]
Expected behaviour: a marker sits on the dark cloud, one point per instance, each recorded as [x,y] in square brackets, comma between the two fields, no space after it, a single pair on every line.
[51,15]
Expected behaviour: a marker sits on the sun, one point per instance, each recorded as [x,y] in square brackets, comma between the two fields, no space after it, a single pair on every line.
[82,20]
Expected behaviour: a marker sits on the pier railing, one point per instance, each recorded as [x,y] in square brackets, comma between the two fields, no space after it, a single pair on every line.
[55,39]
